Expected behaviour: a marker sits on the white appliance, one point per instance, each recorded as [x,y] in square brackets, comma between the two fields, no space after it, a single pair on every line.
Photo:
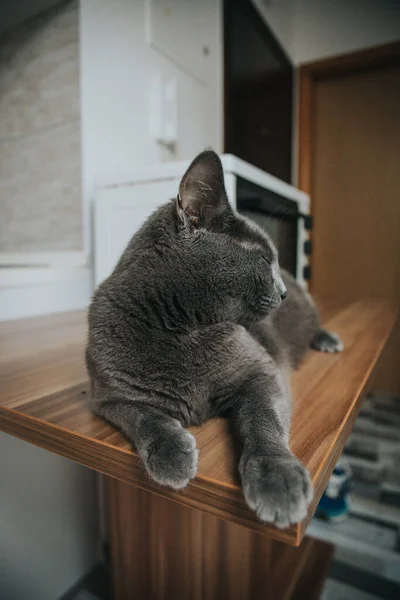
[282,210]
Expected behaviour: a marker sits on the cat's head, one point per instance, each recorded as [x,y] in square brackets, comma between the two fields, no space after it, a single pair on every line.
[244,261]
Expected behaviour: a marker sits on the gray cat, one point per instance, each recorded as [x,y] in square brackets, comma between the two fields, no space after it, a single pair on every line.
[191,325]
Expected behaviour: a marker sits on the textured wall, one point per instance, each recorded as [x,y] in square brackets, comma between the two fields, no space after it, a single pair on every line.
[40,154]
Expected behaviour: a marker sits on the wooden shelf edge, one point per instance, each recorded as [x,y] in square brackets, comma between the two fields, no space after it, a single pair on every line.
[223,499]
[225,503]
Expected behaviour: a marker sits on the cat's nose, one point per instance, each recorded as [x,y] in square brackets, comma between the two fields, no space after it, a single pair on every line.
[283,295]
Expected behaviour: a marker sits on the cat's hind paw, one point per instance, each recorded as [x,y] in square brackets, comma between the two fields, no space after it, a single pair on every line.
[325,341]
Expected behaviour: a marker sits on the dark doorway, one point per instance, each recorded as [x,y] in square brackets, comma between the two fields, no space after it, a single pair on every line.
[258,91]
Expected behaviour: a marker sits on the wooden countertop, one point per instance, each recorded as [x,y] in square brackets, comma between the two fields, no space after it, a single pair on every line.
[44,387]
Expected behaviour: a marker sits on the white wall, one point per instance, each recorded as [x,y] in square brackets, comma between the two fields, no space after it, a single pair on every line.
[118,66]
[29,292]
[48,522]
[316,29]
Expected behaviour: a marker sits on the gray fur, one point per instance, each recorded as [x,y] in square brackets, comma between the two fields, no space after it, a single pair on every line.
[325,341]
[190,325]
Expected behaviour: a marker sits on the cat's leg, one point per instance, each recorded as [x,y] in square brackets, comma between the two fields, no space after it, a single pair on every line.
[166,448]
[325,341]
[254,393]
[275,484]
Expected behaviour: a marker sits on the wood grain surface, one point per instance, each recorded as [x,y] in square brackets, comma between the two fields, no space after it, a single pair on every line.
[162,550]
[355,189]
[44,390]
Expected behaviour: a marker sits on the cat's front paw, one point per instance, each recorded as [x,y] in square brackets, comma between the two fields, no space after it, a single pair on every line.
[171,459]
[278,489]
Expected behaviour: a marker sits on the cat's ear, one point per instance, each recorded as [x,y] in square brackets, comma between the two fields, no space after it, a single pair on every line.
[202,196]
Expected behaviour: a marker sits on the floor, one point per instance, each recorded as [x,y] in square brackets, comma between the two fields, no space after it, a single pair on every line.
[367,544]
[96,585]
[344,583]
[335,590]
